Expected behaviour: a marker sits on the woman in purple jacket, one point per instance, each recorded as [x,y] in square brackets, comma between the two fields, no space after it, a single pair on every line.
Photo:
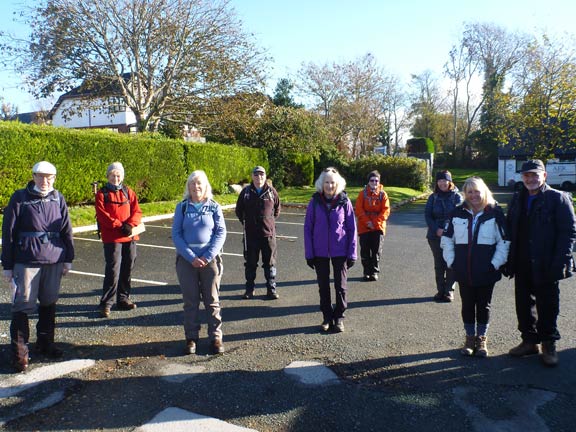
[330,236]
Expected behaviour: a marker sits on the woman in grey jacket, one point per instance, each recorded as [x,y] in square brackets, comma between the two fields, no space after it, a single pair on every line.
[475,245]
[438,207]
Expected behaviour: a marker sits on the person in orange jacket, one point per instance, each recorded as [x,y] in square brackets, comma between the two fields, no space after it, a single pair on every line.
[117,212]
[372,211]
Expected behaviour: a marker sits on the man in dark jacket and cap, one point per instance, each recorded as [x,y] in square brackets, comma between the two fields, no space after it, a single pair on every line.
[543,230]
[257,208]
[37,249]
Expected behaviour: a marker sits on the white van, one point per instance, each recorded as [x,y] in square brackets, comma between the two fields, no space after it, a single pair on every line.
[561,174]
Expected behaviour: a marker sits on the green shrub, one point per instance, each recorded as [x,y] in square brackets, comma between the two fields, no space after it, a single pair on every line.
[395,171]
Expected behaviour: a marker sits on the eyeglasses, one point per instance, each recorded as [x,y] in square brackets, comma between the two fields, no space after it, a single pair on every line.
[260,174]
[373,180]
[48,177]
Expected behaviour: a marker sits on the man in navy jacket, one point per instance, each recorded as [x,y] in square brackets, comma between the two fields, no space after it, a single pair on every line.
[542,230]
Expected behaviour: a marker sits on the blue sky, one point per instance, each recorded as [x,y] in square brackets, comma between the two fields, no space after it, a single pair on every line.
[406,36]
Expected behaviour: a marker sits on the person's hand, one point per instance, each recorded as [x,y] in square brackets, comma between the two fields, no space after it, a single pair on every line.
[350,262]
[8,274]
[199,262]
[126,229]
[439,232]
[310,262]
[67,267]
[370,225]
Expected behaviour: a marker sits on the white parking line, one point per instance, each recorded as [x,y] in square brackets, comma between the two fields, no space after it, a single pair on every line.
[152,246]
[149,282]
[227,232]
[179,420]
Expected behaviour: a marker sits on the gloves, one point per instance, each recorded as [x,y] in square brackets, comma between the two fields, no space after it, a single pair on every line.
[66,268]
[310,262]
[350,262]
[126,229]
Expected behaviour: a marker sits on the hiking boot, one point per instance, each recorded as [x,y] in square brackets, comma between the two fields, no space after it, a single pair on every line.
[339,326]
[374,277]
[272,294]
[190,346]
[104,311]
[217,347]
[524,349]
[126,305]
[438,297]
[325,326]
[549,355]
[448,297]
[49,349]
[366,278]
[469,346]
[481,346]
[248,295]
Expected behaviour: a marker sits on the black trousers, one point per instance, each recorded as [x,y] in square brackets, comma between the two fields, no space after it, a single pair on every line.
[443,275]
[322,267]
[120,258]
[370,252]
[476,303]
[537,307]
[253,247]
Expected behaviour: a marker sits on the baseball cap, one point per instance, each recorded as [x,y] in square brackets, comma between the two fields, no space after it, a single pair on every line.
[534,165]
[258,169]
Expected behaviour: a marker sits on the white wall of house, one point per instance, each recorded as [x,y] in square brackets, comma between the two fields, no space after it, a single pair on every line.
[105,112]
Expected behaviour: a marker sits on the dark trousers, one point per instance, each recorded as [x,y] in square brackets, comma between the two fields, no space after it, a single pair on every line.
[476,303]
[537,307]
[370,252]
[252,250]
[322,266]
[120,258]
[444,275]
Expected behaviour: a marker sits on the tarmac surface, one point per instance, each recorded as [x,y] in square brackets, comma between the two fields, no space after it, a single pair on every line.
[396,367]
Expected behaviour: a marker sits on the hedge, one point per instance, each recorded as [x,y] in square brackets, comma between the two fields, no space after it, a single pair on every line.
[156,168]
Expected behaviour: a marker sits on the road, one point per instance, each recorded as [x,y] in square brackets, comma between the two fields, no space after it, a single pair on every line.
[397,366]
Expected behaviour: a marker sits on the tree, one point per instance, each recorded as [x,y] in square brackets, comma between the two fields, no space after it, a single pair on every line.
[497,51]
[179,53]
[7,110]
[282,94]
[427,104]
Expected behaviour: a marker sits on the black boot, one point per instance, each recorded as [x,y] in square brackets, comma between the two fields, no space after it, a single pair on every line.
[270,275]
[45,332]
[19,335]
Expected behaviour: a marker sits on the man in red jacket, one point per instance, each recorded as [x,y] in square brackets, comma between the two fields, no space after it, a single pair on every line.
[117,212]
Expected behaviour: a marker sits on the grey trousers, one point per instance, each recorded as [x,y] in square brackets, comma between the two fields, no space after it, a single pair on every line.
[36,283]
[203,281]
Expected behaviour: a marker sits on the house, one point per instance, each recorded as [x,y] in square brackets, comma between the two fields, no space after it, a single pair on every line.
[95,105]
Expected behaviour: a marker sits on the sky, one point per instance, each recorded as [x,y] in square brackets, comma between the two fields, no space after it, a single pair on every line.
[405,36]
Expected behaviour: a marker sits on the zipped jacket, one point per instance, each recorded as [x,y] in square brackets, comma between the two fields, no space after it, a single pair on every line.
[372,206]
[330,232]
[36,229]
[551,233]
[476,247]
[116,210]
[437,210]
[258,211]
[198,232]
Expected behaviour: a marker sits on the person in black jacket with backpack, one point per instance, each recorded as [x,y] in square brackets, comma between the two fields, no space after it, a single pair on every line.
[543,232]
[257,208]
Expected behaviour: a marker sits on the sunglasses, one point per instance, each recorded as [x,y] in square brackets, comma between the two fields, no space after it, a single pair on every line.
[374,180]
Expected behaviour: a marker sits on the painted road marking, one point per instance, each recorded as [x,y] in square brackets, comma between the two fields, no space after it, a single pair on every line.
[178,420]
[311,373]
[18,383]
[146,281]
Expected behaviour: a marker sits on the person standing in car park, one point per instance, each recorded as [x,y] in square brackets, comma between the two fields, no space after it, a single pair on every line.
[117,212]
[543,232]
[37,250]
[372,210]
[257,208]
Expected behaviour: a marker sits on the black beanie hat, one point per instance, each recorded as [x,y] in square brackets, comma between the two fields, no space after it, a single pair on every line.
[443,175]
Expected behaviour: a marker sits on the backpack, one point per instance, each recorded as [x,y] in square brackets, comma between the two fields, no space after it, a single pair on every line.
[106,192]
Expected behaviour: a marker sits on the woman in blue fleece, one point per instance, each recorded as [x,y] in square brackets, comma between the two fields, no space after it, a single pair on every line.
[199,232]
